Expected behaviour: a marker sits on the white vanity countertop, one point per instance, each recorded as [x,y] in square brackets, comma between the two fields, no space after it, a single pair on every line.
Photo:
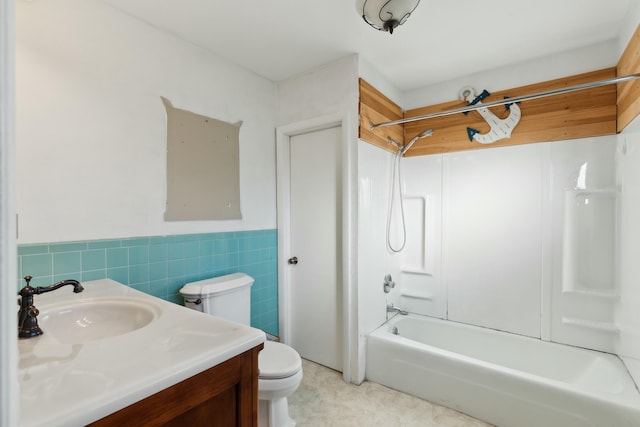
[76,384]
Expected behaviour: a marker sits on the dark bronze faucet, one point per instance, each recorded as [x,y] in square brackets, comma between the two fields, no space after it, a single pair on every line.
[28,314]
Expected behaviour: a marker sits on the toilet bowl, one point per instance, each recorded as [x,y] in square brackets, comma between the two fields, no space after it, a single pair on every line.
[280,375]
[280,366]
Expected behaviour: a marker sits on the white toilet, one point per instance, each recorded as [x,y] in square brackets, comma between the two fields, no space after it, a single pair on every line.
[280,366]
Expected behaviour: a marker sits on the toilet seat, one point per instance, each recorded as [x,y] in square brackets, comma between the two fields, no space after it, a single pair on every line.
[277,360]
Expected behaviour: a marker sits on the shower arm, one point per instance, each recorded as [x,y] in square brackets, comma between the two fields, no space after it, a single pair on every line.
[421,135]
[506,101]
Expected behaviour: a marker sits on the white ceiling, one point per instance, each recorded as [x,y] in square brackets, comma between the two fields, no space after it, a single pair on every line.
[442,40]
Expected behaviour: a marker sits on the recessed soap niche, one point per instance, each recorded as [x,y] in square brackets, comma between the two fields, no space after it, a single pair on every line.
[417,265]
[414,257]
[590,242]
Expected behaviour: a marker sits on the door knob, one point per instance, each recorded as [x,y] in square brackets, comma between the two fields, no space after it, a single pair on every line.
[293,260]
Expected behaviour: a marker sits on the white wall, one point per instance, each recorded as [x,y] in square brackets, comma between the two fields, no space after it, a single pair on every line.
[487,239]
[493,237]
[9,390]
[583,206]
[590,58]
[629,176]
[91,128]
[369,73]
[325,90]
[374,259]
[629,26]
[420,280]
[629,318]
[303,102]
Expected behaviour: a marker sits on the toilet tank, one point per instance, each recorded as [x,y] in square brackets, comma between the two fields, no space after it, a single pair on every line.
[227,296]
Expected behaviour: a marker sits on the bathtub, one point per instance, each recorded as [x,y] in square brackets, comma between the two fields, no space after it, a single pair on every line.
[501,378]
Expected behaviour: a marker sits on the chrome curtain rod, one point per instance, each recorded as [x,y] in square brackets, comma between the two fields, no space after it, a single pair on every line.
[511,100]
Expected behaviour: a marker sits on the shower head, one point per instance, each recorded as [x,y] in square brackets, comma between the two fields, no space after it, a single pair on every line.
[422,134]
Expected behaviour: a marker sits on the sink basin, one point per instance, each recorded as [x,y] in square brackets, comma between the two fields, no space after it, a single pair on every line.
[91,320]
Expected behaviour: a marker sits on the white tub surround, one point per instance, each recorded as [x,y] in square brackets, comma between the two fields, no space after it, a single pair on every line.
[502,378]
[76,383]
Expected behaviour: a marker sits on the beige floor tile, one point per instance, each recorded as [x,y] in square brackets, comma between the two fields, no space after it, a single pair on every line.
[325,400]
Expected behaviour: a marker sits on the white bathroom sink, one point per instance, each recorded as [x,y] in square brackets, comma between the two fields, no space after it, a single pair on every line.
[96,319]
[109,346]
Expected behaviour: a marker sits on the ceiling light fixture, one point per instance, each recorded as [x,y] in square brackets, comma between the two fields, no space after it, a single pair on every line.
[386,15]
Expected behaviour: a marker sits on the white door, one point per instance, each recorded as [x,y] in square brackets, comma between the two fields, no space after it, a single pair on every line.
[315,215]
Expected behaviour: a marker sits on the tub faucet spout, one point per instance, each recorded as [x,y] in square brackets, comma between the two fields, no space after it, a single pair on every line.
[392,309]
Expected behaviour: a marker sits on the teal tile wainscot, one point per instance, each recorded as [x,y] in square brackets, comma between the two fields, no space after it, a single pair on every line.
[160,266]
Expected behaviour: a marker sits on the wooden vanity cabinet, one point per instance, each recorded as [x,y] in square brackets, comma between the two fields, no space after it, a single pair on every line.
[225,395]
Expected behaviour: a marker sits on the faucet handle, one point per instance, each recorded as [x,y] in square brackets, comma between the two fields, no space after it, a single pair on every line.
[388,284]
[26,291]
[32,311]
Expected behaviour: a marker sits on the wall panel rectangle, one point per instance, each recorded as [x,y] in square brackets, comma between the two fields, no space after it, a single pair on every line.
[203,167]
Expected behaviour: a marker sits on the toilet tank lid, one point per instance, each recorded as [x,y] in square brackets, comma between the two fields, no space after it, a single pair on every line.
[217,285]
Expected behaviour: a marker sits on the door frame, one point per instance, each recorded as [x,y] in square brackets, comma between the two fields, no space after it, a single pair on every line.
[9,388]
[349,212]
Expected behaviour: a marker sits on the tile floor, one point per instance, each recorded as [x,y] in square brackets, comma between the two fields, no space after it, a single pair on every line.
[325,400]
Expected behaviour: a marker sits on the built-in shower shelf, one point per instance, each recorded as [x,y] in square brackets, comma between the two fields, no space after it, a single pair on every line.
[417,294]
[417,271]
[592,324]
[589,242]
[613,294]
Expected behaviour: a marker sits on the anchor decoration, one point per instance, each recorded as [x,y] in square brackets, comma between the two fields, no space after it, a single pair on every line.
[500,128]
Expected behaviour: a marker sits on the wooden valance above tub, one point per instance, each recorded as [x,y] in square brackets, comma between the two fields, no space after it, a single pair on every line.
[375,107]
[629,93]
[597,111]
[580,114]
